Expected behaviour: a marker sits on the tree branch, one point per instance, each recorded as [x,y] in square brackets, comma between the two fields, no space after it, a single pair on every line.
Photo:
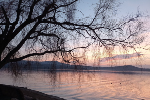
[43,34]
[33,54]
[18,12]
[68,4]
[7,21]
[7,58]
[32,8]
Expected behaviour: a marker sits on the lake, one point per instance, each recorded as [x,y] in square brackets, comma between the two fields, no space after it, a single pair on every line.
[85,85]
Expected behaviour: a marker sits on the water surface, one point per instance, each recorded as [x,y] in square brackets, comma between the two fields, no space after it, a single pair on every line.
[88,85]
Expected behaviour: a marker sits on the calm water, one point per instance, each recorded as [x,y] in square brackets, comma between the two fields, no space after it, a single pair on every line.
[103,85]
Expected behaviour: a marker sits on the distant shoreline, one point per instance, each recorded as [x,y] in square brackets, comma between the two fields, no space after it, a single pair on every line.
[39,95]
[57,66]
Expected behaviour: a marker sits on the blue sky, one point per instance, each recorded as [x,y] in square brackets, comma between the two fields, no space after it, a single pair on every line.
[126,7]
[132,6]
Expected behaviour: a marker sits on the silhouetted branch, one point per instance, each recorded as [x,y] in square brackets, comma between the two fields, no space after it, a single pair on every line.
[32,54]
[37,27]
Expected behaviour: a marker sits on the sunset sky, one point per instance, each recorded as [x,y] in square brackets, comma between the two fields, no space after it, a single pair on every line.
[140,57]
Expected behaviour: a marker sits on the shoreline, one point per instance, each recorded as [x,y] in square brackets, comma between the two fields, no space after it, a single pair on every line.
[38,95]
[28,94]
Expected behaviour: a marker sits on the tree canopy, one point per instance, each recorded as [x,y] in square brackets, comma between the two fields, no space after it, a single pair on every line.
[31,28]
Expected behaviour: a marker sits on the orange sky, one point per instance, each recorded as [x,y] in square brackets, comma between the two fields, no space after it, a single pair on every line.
[120,56]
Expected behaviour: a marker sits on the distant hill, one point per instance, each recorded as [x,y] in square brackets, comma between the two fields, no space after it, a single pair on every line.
[55,65]
[125,68]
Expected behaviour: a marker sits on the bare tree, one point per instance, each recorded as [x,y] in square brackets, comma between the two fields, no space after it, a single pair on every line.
[30,28]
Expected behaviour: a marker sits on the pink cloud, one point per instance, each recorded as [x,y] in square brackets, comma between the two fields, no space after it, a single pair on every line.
[122,56]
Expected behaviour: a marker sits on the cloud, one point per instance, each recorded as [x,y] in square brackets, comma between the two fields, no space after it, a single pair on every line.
[122,56]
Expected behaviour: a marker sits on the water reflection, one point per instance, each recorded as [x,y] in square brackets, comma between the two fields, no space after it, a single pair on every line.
[85,85]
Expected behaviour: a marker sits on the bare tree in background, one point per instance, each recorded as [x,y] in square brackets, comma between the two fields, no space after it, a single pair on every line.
[31,28]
